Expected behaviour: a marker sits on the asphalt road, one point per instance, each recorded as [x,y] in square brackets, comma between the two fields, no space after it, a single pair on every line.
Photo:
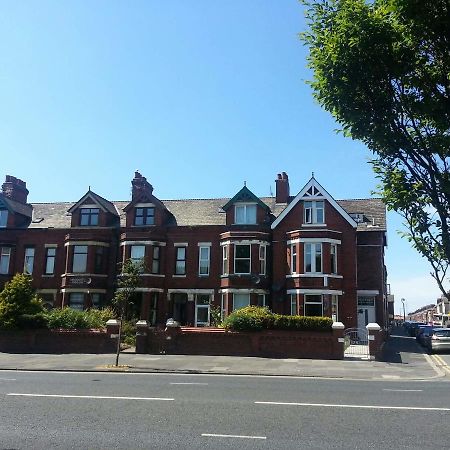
[163,411]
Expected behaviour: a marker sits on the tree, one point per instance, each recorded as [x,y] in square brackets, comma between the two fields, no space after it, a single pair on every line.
[129,281]
[382,69]
[20,307]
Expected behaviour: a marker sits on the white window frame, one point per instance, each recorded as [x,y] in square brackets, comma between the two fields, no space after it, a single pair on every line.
[85,258]
[225,266]
[333,258]
[242,259]
[28,261]
[335,307]
[135,253]
[262,259]
[205,261]
[156,259]
[310,208]
[50,261]
[294,260]
[262,300]
[306,302]
[313,252]
[153,308]
[180,269]
[5,255]
[3,218]
[202,306]
[247,220]
[81,295]
[241,295]
[294,305]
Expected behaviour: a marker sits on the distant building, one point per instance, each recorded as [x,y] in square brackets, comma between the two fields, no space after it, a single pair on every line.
[306,254]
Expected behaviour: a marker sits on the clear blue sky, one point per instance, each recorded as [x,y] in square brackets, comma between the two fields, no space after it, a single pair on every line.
[198,95]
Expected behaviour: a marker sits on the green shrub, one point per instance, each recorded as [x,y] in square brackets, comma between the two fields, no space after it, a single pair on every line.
[254,318]
[70,319]
[129,332]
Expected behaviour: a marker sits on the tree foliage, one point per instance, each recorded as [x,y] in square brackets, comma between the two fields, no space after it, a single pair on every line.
[20,307]
[382,69]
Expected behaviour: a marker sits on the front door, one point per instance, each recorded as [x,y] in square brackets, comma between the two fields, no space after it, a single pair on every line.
[366,311]
[180,307]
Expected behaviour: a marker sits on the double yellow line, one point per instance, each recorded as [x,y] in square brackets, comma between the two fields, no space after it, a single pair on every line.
[441,363]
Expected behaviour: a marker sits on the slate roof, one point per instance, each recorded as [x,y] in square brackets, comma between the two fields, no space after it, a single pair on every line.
[196,212]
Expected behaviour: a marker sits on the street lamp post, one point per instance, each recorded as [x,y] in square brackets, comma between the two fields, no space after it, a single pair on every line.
[404,312]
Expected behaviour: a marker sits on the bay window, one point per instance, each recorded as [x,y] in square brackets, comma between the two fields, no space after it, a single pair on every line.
[80,253]
[137,253]
[262,259]
[313,257]
[242,259]
[224,260]
[293,258]
[156,260]
[333,258]
[240,301]
[313,305]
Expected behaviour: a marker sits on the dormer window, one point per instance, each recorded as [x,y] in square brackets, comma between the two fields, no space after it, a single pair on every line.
[3,218]
[245,214]
[89,217]
[314,212]
[144,216]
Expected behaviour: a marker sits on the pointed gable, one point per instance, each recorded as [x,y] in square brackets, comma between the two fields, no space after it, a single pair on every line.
[314,191]
[92,198]
[245,195]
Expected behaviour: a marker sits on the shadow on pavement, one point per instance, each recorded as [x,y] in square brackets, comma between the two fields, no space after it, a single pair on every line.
[399,343]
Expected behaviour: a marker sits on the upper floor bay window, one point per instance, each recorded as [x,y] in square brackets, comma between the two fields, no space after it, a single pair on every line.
[333,258]
[242,259]
[3,218]
[293,261]
[203,260]
[314,212]
[99,259]
[5,255]
[80,253]
[245,214]
[156,260]
[137,253]
[50,256]
[224,260]
[28,261]
[262,259]
[89,216]
[313,305]
[144,216]
[180,263]
[313,258]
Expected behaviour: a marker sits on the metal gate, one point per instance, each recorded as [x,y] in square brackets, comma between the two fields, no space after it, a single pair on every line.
[356,342]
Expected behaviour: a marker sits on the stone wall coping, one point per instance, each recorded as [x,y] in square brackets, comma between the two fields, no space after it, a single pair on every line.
[373,327]
[338,326]
[142,323]
[112,322]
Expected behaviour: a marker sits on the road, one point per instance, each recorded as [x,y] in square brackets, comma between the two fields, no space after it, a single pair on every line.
[55,410]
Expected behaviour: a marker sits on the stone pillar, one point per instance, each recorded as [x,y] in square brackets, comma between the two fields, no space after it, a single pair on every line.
[112,328]
[141,336]
[338,337]
[172,332]
[375,338]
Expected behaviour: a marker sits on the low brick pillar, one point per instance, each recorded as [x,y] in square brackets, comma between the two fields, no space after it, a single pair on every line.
[338,337]
[376,339]
[172,331]
[141,336]
[112,328]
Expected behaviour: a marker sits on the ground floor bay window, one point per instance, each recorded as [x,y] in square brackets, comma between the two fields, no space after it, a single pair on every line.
[240,301]
[313,305]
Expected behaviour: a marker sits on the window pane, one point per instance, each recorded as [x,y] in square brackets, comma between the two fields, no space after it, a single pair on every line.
[240,301]
[137,252]
[50,261]
[180,268]
[319,212]
[181,253]
[313,310]
[242,251]
[3,218]
[318,261]
[308,259]
[29,260]
[242,266]
[79,258]
[4,259]
[250,214]
[240,214]
[76,300]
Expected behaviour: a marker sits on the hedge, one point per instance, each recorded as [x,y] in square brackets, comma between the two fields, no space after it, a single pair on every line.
[255,318]
[68,318]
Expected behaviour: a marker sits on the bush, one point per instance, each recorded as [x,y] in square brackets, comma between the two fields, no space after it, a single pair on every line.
[129,332]
[71,319]
[20,307]
[254,318]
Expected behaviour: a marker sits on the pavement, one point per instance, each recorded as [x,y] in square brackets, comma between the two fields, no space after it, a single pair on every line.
[402,359]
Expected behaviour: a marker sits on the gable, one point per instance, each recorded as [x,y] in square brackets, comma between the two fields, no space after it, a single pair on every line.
[245,195]
[314,191]
[91,198]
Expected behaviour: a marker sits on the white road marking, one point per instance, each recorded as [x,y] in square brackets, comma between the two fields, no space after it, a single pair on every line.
[95,397]
[7,379]
[330,405]
[403,390]
[201,384]
[233,436]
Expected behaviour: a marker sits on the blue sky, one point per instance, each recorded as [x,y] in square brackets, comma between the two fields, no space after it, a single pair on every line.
[198,95]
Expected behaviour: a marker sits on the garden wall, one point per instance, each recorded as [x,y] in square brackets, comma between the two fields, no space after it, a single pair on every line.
[266,343]
[57,341]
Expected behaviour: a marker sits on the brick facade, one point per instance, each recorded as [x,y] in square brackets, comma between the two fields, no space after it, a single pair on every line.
[200,253]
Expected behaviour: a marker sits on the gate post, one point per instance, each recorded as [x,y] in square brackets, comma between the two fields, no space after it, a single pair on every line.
[338,337]
[375,339]
[141,336]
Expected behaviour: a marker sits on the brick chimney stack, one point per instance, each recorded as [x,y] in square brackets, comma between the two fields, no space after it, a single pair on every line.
[140,186]
[282,188]
[15,189]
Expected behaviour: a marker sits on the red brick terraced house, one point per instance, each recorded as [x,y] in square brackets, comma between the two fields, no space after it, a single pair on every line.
[307,254]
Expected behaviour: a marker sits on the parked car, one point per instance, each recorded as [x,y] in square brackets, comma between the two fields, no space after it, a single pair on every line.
[423,332]
[439,339]
[413,327]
